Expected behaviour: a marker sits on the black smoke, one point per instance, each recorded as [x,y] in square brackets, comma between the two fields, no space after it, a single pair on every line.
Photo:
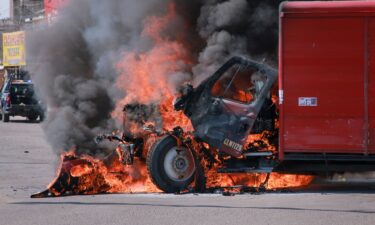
[73,58]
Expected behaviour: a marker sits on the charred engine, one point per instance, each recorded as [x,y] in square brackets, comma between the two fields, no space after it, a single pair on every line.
[140,121]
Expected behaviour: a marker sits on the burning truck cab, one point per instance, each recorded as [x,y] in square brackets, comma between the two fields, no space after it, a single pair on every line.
[224,108]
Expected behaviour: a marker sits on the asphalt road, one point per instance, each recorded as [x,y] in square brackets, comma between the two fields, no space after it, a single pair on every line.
[27,165]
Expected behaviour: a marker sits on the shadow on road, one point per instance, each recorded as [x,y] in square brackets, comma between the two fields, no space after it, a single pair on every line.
[24,121]
[191,206]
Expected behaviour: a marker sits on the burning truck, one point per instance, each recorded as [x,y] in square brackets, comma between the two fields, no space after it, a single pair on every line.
[223,110]
[318,119]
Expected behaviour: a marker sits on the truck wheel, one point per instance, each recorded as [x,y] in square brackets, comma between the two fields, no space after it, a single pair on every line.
[171,167]
[32,116]
[5,117]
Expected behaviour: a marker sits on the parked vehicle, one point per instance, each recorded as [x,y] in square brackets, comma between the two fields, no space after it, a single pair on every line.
[17,98]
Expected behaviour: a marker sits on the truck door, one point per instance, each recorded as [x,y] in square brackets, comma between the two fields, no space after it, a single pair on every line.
[235,99]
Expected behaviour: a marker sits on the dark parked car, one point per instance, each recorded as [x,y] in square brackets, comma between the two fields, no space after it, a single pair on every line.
[17,98]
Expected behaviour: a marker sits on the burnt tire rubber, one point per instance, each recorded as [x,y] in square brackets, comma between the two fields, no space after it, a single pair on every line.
[5,118]
[172,168]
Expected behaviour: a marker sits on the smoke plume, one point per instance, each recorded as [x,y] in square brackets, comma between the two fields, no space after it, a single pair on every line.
[236,27]
[86,63]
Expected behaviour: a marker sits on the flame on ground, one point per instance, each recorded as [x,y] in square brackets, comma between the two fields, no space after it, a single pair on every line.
[275,181]
[85,175]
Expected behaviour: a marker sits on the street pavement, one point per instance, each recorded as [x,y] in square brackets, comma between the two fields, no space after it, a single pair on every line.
[27,165]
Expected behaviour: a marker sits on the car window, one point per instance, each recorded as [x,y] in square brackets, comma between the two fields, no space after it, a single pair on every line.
[21,89]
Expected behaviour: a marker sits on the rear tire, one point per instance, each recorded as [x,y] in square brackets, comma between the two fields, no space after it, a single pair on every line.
[172,168]
[32,117]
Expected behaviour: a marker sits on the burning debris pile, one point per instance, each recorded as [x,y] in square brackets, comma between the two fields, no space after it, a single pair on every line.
[117,66]
[87,175]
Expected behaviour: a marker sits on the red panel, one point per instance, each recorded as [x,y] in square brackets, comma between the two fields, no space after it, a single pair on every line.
[323,58]
[51,6]
[328,6]
[371,83]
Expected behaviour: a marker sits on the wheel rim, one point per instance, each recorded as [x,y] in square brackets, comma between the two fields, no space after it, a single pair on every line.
[179,164]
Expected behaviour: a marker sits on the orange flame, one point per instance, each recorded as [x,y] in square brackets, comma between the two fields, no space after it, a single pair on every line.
[276,180]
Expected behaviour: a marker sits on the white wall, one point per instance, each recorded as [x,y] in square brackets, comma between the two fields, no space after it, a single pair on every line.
[4,9]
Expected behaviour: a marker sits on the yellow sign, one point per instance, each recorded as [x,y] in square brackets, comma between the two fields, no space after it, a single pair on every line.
[14,49]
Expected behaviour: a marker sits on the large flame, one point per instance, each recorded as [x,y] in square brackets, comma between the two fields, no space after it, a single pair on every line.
[151,77]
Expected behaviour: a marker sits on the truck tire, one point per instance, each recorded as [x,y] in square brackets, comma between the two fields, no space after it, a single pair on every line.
[172,168]
[5,117]
[32,117]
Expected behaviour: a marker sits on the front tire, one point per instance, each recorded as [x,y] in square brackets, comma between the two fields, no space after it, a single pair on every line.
[171,167]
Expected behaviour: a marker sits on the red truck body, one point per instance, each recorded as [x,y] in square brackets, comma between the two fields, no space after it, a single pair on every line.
[327,79]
